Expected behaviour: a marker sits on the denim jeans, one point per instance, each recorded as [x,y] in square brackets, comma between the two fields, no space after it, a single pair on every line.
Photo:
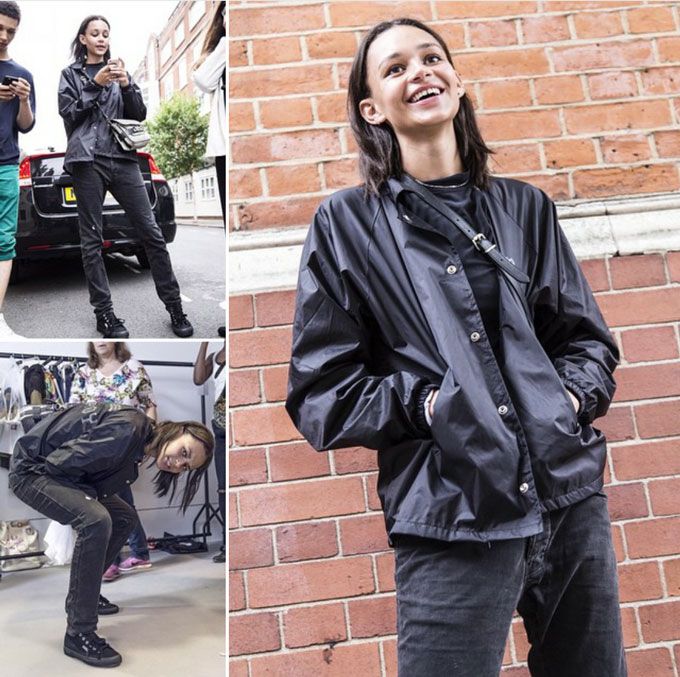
[137,538]
[455,601]
[221,469]
[102,528]
[123,179]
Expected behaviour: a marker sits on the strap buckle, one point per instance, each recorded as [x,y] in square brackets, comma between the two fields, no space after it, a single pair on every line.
[477,242]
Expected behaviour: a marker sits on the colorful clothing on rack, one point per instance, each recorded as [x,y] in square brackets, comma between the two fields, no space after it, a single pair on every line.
[129,385]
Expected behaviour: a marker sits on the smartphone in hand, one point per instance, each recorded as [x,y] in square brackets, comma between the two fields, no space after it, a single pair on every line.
[9,79]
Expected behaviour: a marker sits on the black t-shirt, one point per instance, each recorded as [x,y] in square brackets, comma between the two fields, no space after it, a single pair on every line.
[482,274]
[106,144]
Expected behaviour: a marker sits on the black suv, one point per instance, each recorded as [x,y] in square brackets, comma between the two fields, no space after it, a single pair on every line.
[48,220]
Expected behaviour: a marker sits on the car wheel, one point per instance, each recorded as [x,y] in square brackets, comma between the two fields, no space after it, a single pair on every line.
[142,259]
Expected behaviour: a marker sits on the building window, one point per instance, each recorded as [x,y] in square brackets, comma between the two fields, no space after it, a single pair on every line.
[166,51]
[207,188]
[188,190]
[182,68]
[168,85]
[174,186]
[179,34]
[196,12]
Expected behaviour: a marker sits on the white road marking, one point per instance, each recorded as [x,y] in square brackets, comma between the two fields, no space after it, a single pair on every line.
[186,299]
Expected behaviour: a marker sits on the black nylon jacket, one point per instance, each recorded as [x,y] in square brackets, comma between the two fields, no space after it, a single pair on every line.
[385,313]
[85,125]
[93,447]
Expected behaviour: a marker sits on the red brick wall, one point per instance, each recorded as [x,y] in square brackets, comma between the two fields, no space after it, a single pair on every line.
[579,98]
[311,582]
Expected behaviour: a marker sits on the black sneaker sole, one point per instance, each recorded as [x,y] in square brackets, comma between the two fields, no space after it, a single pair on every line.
[108,611]
[183,333]
[114,335]
[112,662]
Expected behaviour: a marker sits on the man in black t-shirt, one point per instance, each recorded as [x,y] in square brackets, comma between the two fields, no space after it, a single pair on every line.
[17,108]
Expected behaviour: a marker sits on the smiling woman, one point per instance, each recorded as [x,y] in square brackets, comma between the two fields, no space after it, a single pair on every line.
[442,319]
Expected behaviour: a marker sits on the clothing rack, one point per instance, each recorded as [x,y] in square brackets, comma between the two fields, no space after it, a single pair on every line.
[206,509]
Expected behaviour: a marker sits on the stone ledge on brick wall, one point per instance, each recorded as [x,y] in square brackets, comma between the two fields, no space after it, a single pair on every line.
[269,260]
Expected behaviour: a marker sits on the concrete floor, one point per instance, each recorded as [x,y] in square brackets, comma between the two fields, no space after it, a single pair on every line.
[171,623]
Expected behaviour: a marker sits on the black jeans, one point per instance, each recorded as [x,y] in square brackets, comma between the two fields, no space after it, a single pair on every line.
[102,527]
[221,469]
[123,179]
[455,600]
[221,171]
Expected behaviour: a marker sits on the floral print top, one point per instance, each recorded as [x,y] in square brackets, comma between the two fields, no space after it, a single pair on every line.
[129,385]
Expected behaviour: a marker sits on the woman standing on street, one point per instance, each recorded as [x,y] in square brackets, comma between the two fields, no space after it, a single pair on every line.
[92,87]
[113,375]
[443,319]
[71,466]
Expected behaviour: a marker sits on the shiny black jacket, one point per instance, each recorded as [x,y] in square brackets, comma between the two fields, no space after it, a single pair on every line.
[385,313]
[87,131]
[93,447]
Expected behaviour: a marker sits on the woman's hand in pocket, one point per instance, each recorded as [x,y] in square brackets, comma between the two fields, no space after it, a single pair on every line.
[574,400]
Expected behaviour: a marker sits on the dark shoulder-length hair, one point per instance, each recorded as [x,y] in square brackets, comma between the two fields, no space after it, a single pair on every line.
[166,482]
[123,354]
[215,29]
[379,154]
[78,49]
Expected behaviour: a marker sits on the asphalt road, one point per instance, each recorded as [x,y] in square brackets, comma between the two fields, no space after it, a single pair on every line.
[52,301]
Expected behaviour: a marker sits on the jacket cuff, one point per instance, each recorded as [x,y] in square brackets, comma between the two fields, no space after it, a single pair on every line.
[579,393]
[419,418]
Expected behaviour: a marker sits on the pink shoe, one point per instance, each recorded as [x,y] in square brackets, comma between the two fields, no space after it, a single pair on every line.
[111,574]
[134,564]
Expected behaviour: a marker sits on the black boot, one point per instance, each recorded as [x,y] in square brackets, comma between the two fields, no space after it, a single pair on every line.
[106,608]
[92,649]
[180,324]
[111,326]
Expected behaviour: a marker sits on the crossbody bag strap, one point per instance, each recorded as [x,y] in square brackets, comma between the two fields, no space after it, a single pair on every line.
[479,240]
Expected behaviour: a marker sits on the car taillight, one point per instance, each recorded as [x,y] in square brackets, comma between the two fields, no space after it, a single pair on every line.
[25,173]
[156,174]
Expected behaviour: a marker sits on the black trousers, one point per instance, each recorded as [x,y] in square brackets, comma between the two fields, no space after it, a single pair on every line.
[221,470]
[221,170]
[102,526]
[455,601]
[124,180]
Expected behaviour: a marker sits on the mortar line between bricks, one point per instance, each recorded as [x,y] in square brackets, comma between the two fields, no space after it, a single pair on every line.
[662,578]
[312,647]
[302,480]
[568,43]
[282,608]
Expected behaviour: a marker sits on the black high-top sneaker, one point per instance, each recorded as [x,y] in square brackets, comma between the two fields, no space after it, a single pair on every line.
[106,608]
[180,324]
[111,326]
[92,649]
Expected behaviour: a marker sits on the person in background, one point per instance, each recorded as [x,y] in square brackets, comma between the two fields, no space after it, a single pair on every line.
[210,76]
[93,87]
[113,375]
[17,114]
[70,466]
[204,368]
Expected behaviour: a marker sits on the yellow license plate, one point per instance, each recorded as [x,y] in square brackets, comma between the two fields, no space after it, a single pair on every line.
[70,197]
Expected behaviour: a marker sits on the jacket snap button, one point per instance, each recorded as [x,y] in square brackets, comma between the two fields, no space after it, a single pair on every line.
[523,488]
[502,410]
[451,269]
[475,336]
[406,218]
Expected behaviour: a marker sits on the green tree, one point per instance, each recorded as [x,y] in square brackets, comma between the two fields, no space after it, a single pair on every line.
[178,136]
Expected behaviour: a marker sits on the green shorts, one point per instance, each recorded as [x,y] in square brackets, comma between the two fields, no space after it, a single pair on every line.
[9,210]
